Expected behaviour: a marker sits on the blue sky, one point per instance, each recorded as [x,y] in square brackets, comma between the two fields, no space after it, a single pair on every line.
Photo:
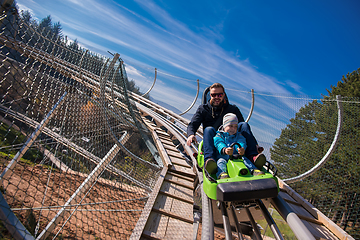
[280,47]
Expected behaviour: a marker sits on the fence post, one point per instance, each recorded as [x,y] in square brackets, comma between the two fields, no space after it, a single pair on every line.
[30,140]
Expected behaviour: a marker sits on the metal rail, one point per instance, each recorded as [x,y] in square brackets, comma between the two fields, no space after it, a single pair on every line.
[176,174]
[331,149]
[77,196]
[252,106]
[151,85]
[324,227]
[193,103]
[11,222]
[30,140]
[296,225]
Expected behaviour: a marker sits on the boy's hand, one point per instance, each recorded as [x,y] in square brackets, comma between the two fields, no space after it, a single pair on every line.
[241,151]
[229,151]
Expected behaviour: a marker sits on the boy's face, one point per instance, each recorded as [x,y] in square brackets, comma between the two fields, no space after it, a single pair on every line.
[231,128]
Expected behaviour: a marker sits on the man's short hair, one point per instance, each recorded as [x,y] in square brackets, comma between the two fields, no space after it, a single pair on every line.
[217,85]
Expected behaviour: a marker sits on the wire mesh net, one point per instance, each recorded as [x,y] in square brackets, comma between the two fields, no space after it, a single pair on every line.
[334,189]
[68,132]
[298,139]
[67,146]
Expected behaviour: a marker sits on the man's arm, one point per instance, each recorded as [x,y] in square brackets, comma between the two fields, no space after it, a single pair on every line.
[193,126]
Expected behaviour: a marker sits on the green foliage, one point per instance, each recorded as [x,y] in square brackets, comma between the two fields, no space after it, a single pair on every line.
[73,163]
[349,86]
[48,28]
[46,23]
[10,136]
[302,140]
[132,87]
[284,228]
[334,189]
[53,31]
[26,16]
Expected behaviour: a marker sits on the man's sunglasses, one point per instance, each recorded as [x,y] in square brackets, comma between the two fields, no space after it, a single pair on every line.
[219,95]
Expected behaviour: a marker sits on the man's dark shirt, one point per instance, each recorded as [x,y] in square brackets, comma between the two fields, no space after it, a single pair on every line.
[207,115]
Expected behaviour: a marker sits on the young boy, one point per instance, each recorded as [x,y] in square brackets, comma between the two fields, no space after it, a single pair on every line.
[223,140]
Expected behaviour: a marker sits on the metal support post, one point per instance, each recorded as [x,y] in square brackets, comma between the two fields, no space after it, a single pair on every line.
[253,224]
[270,221]
[330,151]
[197,216]
[151,85]
[84,187]
[193,103]
[252,106]
[226,221]
[30,140]
[237,225]
[294,222]
[12,223]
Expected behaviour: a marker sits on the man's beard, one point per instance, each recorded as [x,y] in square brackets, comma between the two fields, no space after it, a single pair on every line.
[218,106]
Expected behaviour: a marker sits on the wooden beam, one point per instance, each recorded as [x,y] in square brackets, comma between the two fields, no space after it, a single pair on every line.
[177,197]
[150,235]
[161,149]
[179,184]
[191,175]
[309,219]
[169,214]
[292,202]
[335,229]
[140,225]
[181,176]
[181,164]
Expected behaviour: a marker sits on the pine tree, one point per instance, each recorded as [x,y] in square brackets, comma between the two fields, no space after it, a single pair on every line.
[26,16]
[348,86]
[334,189]
[45,25]
[57,30]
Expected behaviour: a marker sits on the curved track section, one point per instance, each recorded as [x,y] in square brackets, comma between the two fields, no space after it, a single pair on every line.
[82,184]
[304,219]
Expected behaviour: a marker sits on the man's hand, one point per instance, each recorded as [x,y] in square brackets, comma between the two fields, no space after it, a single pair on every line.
[191,139]
[260,149]
[241,151]
[229,151]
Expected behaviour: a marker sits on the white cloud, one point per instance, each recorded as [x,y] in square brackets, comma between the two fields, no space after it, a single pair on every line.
[294,86]
[171,96]
[130,70]
[172,46]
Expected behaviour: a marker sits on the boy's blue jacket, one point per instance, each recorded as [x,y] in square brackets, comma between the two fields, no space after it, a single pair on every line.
[224,139]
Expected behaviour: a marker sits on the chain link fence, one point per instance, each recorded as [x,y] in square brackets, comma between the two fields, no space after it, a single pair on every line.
[68,134]
[67,140]
[313,142]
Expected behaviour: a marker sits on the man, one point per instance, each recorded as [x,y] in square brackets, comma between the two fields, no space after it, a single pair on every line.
[210,115]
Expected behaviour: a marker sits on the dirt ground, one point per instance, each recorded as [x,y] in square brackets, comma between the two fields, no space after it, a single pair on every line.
[117,208]
[32,186]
